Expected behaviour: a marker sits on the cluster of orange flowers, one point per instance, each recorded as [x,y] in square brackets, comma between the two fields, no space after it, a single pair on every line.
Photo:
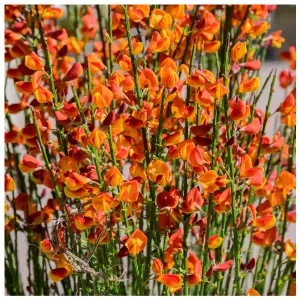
[123,129]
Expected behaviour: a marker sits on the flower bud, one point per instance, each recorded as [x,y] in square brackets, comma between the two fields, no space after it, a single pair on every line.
[211,255]
[224,266]
[157,266]
[209,272]
[74,73]
[110,118]
[251,264]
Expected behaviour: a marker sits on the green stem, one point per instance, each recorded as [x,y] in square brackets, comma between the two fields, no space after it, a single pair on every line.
[266,115]
[210,201]
[98,9]
[94,150]
[225,61]
[189,36]
[286,208]
[161,121]
[111,62]
[132,57]
[47,57]
[48,166]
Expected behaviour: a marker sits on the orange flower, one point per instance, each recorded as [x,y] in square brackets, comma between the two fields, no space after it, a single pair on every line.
[169,77]
[45,246]
[288,105]
[265,222]
[184,148]
[238,51]
[208,25]
[129,191]
[102,96]
[67,164]
[177,11]
[136,170]
[167,199]
[9,184]
[246,165]
[290,250]
[24,87]
[104,202]
[195,269]
[286,182]
[239,110]
[36,79]
[197,159]
[259,28]
[124,62]
[264,238]
[211,181]
[158,43]
[169,258]
[252,128]
[178,107]
[96,138]
[204,98]
[276,39]
[192,202]
[157,266]
[217,89]
[289,120]
[167,62]
[136,242]
[95,64]
[160,19]
[173,138]
[251,65]
[87,220]
[159,172]
[42,95]
[214,241]
[58,274]
[249,86]
[200,79]
[113,177]
[74,181]
[211,46]
[138,12]
[28,164]
[223,200]
[287,109]
[52,13]
[172,281]
[33,62]
[147,79]
[252,292]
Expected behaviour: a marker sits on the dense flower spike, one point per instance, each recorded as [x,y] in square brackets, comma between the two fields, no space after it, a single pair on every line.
[140,159]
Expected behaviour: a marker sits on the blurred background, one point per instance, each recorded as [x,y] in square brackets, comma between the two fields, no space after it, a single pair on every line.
[284,18]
